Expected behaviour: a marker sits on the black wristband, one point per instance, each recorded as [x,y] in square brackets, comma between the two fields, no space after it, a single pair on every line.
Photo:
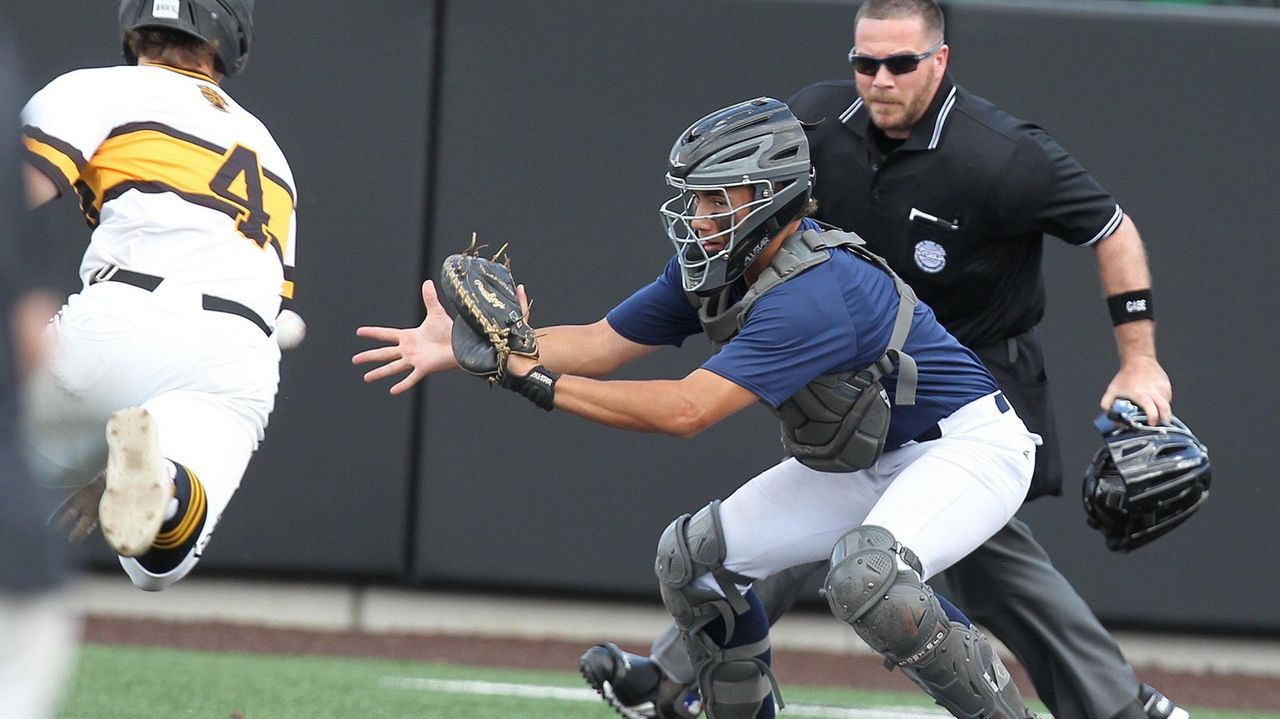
[539,386]
[1130,306]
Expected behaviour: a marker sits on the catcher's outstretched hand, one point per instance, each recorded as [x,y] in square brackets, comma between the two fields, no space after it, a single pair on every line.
[420,350]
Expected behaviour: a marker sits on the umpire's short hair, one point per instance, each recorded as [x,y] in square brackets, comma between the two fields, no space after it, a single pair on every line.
[927,10]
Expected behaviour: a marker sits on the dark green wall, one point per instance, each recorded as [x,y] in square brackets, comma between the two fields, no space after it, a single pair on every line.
[547,124]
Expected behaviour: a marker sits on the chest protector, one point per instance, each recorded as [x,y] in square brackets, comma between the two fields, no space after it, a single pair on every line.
[838,422]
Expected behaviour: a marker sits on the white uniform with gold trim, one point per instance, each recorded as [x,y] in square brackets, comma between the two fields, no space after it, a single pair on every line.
[193,213]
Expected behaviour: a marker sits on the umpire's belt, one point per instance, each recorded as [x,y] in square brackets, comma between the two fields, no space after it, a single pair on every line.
[935,431]
[114,273]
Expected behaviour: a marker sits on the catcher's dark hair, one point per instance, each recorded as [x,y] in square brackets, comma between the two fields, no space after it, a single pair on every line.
[171,47]
[935,26]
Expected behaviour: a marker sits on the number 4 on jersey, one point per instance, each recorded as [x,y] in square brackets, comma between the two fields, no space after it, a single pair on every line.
[239,181]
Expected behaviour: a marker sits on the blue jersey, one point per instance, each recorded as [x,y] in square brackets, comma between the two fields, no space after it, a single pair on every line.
[834,317]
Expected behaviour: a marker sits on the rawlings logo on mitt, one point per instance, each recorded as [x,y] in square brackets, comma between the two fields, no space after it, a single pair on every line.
[490,323]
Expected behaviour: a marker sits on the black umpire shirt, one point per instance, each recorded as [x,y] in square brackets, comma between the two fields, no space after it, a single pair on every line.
[960,207]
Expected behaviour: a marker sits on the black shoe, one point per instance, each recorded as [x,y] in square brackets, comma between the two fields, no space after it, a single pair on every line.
[1159,706]
[627,682]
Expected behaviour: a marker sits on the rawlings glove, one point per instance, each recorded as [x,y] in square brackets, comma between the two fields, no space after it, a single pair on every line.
[493,327]
[491,324]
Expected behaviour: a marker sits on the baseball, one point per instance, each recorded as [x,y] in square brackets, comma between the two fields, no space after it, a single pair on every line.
[290,329]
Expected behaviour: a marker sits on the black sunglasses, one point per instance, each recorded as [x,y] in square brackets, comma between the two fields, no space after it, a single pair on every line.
[897,64]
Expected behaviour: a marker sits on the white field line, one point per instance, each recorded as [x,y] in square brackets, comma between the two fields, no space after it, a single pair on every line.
[534,691]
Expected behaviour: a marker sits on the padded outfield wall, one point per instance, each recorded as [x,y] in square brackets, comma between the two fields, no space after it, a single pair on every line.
[411,124]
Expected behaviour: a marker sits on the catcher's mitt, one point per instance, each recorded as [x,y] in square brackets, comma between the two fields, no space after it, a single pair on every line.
[490,323]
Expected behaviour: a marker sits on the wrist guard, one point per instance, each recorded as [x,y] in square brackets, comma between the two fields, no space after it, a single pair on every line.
[539,386]
[1130,306]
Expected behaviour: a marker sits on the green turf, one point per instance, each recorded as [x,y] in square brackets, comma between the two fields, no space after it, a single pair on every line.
[114,682]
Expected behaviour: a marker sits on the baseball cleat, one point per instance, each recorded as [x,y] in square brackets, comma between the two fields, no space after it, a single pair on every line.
[627,682]
[635,687]
[1159,706]
[137,487]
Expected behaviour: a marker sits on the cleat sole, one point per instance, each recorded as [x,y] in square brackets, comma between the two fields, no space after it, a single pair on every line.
[137,488]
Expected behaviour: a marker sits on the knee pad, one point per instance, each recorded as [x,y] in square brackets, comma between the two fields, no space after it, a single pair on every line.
[734,683]
[899,616]
[689,547]
[891,609]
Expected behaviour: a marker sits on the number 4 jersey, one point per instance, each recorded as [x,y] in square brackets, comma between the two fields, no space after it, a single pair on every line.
[174,177]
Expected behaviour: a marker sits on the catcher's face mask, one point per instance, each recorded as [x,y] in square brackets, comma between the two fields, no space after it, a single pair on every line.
[706,223]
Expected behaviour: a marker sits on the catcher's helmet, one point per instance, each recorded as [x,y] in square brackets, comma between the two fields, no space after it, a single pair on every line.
[229,22]
[1144,480]
[757,143]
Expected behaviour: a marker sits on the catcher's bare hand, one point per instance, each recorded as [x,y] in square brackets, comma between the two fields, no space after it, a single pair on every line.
[1144,382]
[420,350]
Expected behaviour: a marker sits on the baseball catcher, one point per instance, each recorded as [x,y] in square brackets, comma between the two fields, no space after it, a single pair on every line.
[1144,480]
[748,271]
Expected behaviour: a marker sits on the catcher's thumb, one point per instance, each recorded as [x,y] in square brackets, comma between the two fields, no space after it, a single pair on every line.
[430,299]
[524,301]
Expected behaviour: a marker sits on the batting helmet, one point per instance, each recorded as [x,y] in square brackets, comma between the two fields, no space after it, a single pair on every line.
[1144,480]
[228,23]
[757,143]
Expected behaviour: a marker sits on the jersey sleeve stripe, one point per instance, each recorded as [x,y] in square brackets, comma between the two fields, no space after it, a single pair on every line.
[62,162]
[49,168]
[1108,228]
[64,148]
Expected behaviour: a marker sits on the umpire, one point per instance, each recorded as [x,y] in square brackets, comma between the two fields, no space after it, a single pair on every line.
[956,194]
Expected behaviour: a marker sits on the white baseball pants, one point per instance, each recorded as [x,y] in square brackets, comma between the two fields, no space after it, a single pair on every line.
[208,378]
[940,498]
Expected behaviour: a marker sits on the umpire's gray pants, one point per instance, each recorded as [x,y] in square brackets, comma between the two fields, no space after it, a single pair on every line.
[1009,586]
